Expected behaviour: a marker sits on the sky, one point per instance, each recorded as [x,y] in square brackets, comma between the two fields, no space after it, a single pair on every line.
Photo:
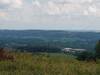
[50,14]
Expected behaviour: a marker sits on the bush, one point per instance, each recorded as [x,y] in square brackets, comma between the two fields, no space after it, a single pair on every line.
[86,56]
[98,49]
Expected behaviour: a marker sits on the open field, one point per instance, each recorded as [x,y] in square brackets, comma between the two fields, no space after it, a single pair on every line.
[48,64]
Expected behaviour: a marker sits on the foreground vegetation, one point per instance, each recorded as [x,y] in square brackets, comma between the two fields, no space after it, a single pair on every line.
[48,64]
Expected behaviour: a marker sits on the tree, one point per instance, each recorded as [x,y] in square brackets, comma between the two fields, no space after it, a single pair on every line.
[98,49]
[86,56]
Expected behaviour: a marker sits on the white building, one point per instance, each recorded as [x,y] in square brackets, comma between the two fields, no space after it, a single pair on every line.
[66,49]
[71,50]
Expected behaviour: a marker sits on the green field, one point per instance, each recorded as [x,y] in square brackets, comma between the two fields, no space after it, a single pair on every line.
[48,64]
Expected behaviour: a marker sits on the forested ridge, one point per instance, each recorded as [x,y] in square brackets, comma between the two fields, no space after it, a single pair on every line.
[46,40]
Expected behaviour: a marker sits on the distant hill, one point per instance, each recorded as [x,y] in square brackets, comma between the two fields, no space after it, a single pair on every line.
[44,39]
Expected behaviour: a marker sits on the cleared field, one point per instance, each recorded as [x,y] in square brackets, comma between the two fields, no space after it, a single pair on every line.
[48,64]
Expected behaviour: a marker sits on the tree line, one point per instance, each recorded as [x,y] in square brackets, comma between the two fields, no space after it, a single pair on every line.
[86,55]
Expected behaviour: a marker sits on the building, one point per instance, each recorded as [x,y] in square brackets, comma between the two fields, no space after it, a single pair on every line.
[72,50]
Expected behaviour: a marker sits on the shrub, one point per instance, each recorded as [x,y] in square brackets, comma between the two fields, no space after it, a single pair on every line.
[86,56]
[97,48]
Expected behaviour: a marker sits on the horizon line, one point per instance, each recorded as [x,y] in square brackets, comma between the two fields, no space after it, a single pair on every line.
[50,30]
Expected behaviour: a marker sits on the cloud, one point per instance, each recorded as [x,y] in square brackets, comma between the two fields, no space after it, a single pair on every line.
[36,3]
[80,1]
[92,9]
[53,7]
[68,7]
[16,3]
[50,13]
[3,14]
[56,8]
[11,3]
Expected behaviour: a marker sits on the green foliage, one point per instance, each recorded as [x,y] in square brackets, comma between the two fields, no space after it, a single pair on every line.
[47,64]
[98,49]
[88,56]
[40,40]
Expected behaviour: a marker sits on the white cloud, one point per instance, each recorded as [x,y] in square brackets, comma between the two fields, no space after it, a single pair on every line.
[84,1]
[11,3]
[39,12]
[67,7]
[92,9]
[3,14]
[75,1]
[85,12]
[16,3]
[36,3]
[54,8]
[5,1]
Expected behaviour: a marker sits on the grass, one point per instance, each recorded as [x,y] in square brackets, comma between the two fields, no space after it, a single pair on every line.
[48,64]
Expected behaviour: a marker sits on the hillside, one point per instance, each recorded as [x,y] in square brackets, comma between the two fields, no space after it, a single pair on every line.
[35,40]
[48,64]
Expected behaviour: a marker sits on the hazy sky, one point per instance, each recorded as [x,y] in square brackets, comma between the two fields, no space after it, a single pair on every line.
[50,14]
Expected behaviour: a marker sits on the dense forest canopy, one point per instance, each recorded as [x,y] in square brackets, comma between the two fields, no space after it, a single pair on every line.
[45,40]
